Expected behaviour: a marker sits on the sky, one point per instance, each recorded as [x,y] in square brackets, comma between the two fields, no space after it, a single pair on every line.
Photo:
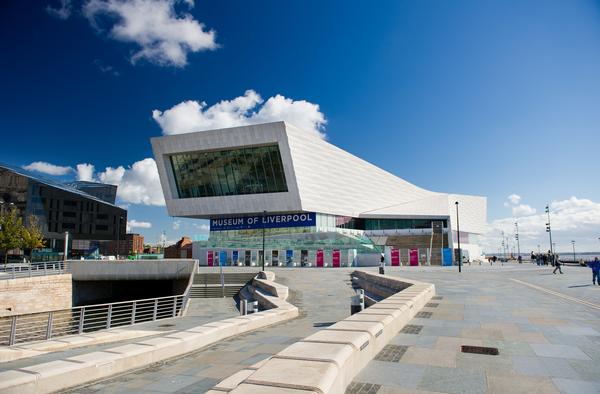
[492,98]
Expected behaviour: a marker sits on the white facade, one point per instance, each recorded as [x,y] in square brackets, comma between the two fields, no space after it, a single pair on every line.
[320,178]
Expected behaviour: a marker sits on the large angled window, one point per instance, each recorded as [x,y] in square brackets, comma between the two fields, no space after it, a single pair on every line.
[229,172]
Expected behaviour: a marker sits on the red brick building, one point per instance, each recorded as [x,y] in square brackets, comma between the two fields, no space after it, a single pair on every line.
[131,245]
[180,250]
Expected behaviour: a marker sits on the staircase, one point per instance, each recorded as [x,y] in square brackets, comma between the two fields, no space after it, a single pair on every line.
[209,285]
[421,242]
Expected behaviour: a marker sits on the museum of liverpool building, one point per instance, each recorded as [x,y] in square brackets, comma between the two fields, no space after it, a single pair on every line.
[316,204]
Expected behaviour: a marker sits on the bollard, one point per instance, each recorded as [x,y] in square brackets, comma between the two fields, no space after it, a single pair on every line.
[244,307]
[254,306]
[357,302]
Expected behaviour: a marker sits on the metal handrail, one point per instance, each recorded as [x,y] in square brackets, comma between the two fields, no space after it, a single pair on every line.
[46,325]
[28,270]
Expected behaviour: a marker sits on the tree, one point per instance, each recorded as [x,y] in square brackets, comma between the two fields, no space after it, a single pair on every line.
[11,232]
[32,236]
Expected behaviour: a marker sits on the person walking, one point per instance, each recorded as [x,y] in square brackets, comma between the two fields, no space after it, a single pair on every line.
[595,266]
[520,259]
[532,256]
[557,267]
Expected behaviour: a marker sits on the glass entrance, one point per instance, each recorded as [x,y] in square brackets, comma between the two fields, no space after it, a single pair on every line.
[303,257]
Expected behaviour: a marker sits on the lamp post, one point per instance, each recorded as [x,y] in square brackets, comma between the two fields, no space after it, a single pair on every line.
[517,239]
[549,228]
[458,237]
[573,243]
[263,239]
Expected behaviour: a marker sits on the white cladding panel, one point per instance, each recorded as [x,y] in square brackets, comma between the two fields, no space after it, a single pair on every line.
[320,178]
[334,181]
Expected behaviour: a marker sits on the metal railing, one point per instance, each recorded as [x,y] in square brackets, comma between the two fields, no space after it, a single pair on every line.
[78,320]
[28,270]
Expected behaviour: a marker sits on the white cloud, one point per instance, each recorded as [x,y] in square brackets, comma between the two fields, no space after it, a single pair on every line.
[523,210]
[571,219]
[176,225]
[61,12]
[164,37]
[137,184]
[514,199]
[518,210]
[189,116]
[47,168]
[106,68]
[203,227]
[85,172]
[131,224]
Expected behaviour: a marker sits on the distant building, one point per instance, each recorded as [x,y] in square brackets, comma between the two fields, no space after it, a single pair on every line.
[103,191]
[132,244]
[180,250]
[60,208]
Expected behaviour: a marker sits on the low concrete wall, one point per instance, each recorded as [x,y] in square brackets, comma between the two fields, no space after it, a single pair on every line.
[132,269]
[327,361]
[36,294]
[73,371]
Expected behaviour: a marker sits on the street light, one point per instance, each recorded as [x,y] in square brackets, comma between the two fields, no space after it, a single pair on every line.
[458,236]
[549,228]
[518,242]
[573,243]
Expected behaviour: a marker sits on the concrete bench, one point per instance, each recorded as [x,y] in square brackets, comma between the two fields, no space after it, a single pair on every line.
[328,360]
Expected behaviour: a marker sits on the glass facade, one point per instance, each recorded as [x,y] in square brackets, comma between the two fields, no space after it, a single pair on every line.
[59,209]
[400,224]
[229,172]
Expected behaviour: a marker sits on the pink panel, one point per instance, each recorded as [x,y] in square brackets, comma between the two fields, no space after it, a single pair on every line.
[395,254]
[209,258]
[320,258]
[414,257]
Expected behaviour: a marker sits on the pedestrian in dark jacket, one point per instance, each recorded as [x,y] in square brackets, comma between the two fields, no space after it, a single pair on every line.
[595,266]
[557,267]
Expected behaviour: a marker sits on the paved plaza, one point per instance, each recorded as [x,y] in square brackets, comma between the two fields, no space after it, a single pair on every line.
[546,328]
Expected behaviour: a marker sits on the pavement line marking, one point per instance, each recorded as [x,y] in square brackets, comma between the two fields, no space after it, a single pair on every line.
[578,300]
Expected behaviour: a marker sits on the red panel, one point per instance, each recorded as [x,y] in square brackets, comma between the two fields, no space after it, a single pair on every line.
[320,258]
[209,258]
[336,258]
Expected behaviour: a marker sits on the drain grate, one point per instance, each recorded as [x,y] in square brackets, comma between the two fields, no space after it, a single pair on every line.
[391,353]
[424,315]
[489,351]
[325,324]
[432,305]
[362,388]
[437,298]
[166,325]
[411,329]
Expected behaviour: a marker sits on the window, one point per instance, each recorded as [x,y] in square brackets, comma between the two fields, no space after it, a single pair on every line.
[229,172]
[69,214]
[68,226]
[102,216]
[101,227]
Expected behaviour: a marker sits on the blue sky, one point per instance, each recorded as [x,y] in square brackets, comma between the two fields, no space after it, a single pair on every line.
[493,98]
